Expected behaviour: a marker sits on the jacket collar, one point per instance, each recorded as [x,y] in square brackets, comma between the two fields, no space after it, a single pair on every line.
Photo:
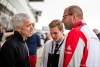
[18,35]
[78,24]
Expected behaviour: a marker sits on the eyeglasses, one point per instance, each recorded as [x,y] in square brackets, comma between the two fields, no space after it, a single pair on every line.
[66,15]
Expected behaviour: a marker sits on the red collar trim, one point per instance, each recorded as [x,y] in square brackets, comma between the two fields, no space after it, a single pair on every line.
[77,24]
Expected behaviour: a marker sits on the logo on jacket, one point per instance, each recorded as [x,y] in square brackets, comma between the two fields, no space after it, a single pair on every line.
[68,51]
[69,48]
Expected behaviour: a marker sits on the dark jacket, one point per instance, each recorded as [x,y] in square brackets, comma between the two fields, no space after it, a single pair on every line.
[14,52]
[1,35]
[98,35]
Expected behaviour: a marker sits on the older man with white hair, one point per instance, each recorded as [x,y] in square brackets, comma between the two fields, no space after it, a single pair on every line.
[14,52]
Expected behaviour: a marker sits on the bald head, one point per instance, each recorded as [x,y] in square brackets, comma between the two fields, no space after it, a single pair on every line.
[75,10]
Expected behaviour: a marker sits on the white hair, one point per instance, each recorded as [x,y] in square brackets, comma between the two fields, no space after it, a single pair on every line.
[18,19]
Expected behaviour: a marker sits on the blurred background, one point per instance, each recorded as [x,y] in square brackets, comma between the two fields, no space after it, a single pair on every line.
[42,12]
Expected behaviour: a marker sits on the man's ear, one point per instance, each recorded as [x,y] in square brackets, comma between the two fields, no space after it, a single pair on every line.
[18,28]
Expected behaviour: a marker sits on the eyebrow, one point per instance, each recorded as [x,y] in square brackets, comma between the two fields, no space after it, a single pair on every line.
[66,15]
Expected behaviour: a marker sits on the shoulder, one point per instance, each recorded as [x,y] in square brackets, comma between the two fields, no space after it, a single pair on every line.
[37,35]
[74,32]
[49,42]
[10,44]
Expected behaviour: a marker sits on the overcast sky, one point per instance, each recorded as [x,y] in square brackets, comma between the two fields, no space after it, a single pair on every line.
[53,9]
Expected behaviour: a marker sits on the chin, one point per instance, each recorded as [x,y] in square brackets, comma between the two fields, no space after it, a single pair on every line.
[29,36]
[55,40]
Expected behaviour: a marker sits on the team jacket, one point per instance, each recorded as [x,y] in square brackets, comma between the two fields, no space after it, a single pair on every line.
[82,48]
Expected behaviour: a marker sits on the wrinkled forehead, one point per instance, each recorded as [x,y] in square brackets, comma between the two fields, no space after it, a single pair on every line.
[27,21]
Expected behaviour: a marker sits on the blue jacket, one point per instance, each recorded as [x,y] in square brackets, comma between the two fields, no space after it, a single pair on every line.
[33,43]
